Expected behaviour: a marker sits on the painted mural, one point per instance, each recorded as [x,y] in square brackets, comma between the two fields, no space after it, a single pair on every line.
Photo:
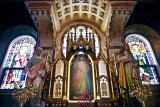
[81,79]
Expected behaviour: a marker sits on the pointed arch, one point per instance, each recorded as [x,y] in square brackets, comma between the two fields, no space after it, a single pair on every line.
[19,52]
[81,34]
[143,53]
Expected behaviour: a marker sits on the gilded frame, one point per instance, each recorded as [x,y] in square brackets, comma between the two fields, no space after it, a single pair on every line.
[93,75]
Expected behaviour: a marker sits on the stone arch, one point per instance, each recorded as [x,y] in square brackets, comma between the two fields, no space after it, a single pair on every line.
[93,25]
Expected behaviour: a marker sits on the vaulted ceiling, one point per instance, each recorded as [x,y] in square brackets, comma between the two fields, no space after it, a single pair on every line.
[97,11]
[85,9]
[66,10]
[92,9]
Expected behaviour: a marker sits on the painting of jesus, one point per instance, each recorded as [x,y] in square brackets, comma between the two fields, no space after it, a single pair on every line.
[80,76]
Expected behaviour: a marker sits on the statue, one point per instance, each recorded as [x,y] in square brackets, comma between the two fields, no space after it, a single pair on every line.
[37,69]
[128,74]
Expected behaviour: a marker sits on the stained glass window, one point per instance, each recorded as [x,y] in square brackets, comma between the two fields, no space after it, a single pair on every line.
[87,33]
[19,53]
[142,52]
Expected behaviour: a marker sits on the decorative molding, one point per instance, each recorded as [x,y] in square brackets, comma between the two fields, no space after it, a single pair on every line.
[115,47]
[104,87]
[123,4]
[121,11]
[39,5]
[59,56]
[58,76]
[47,48]
[101,56]
[54,17]
[66,10]
[58,87]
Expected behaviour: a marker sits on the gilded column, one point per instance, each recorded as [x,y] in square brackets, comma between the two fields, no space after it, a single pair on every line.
[65,81]
[97,82]
[51,81]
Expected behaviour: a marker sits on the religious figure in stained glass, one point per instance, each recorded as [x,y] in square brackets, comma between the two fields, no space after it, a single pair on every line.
[19,52]
[142,52]
[81,76]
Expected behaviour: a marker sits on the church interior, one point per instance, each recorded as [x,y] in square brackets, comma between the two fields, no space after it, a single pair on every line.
[98,53]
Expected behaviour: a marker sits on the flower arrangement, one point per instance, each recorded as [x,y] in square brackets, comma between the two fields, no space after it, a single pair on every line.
[87,99]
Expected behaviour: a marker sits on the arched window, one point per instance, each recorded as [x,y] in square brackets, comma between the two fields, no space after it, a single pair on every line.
[18,54]
[142,52]
[88,34]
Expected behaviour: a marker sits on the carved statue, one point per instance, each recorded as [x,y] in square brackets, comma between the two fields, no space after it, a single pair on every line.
[128,73]
[37,69]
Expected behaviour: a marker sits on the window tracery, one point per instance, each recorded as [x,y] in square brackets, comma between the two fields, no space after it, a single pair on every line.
[19,53]
[87,33]
[142,52]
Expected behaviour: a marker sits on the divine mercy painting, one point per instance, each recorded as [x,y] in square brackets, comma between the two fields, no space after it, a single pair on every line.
[81,80]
